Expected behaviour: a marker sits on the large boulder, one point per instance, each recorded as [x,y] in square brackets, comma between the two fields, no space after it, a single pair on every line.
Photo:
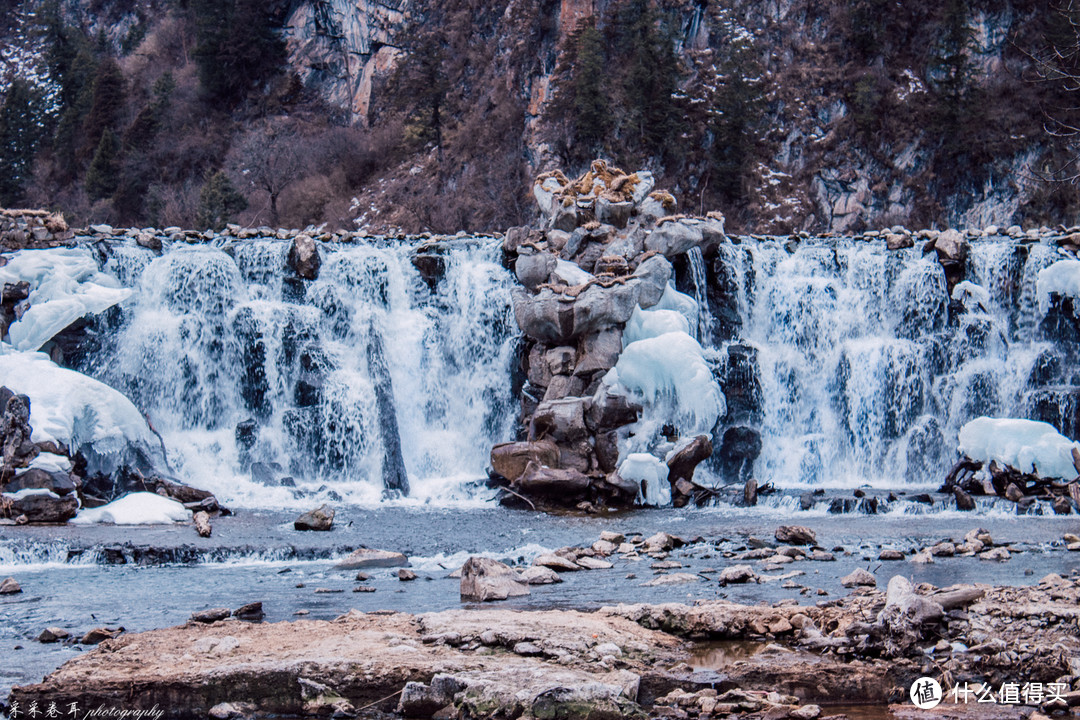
[542,481]
[599,351]
[38,479]
[304,257]
[40,506]
[561,420]
[321,518]
[611,410]
[674,238]
[533,269]
[511,459]
[484,579]
[682,463]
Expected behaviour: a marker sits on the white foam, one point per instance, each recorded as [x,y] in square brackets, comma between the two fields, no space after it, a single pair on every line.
[1026,445]
[140,508]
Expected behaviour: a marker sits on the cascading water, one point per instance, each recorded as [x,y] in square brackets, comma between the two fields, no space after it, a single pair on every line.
[269,390]
[866,373]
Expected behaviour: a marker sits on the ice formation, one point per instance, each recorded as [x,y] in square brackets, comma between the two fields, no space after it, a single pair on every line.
[651,474]
[1027,445]
[65,285]
[1063,278]
[644,324]
[140,508]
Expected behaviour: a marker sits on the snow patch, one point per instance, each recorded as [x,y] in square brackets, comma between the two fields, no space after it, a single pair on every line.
[1062,278]
[1027,445]
[140,508]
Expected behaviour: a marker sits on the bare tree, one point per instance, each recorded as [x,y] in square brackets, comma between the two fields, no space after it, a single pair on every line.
[270,159]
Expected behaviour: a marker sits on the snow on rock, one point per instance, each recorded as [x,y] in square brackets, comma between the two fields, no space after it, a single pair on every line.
[84,414]
[65,285]
[644,324]
[1026,445]
[49,462]
[1063,278]
[139,508]
[972,296]
[651,475]
[671,367]
[570,273]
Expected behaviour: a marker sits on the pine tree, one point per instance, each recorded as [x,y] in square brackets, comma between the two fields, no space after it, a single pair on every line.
[952,71]
[103,175]
[237,47]
[423,80]
[219,201]
[107,103]
[21,130]
[592,119]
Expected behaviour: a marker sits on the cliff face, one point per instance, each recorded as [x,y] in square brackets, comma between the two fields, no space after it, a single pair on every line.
[819,115]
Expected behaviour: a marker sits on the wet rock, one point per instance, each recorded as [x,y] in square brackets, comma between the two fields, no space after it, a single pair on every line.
[997,554]
[540,575]
[555,562]
[406,575]
[233,711]
[304,257]
[202,524]
[41,506]
[371,558]
[737,574]
[795,535]
[58,483]
[53,634]
[10,587]
[591,563]
[890,554]
[99,635]
[1062,506]
[210,616]
[252,612]
[672,579]
[663,542]
[943,549]
[538,480]
[858,578]
[510,459]
[484,579]
[739,448]
[683,462]
[964,501]
[561,420]
[321,519]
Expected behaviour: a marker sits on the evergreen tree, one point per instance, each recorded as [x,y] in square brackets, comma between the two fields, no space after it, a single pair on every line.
[952,73]
[422,79]
[237,47]
[21,130]
[103,175]
[107,103]
[219,201]
[592,118]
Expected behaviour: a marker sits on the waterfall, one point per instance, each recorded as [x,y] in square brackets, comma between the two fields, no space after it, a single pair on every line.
[867,367]
[270,390]
[703,330]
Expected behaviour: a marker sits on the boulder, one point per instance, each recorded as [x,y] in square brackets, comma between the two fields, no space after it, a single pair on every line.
[37,479]
[53,634]
[540,575]
[304,257]
[682,463]
[674,238]
[563,386]
[562,420]
[370,558]
[795,535]
[41,506]
[737,574]
[555,562]
[484,579]
[564,484]
[511,459]
[613,213]
[422,701]
[252,612]
[561,360]
[858,578]
[739,448]
[98,635]
[534,269]
[599,351]
[321,518]
[894,241]
[10,587]
[613,264]
[611,410]
[212,615]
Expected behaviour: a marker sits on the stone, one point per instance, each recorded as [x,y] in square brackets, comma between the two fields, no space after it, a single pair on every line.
[591,563]
[406,575]
[1013,493]
[561,420]
[42,506]
[540,575]
[561,360]
[484,579]
[534,269]
[612,537]
[894,241]
[997,554]
[858,578]
[737,574]
[371,558]
[233,711]
[674,238]
[58,483]
[202,524]
[10,586]
[510,459]
[663,542]
[890,554]
[423,701]
[682,463]
[613,213]
[672,579]
[964,501]
[555,562]
[304,257]
[53,634]
[806,712]
[98,635]
[943,549]
[611,409]
[321,519]
[210,616]
[795,535]
[599,351]
[1062,506]
[252,612]
[551,482]
[616,265]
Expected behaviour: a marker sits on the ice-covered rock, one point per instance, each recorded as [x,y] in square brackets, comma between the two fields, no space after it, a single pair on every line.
[650,473]
[65,285]
[1026,445]
[40,505]
[1061,278]
[644,324]
[140,508]
[85,415]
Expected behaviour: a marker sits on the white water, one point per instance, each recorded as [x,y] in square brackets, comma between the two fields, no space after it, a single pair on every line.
[864,378]
[213,337]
